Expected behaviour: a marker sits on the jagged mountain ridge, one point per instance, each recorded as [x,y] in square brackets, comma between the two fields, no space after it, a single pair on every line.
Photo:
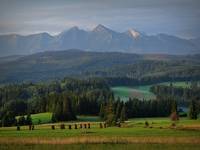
[100,38]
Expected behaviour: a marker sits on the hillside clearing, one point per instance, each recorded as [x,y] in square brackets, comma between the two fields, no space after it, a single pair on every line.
[143,91]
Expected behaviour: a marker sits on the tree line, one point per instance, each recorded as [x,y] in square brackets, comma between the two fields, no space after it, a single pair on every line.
[66,98]
[117,111]
[71,97]
[183,95]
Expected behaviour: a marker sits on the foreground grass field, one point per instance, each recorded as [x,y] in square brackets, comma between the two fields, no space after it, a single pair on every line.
[158,127]
[103,147]
[132,135]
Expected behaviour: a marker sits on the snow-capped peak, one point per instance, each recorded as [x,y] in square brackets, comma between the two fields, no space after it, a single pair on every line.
[101,28]
[133,33]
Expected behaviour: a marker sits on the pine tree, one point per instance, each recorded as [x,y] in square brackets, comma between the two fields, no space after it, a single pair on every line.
[8,120]
[53,118]
[102,111]
[174,107]
[193,110]
[58,111]
[63,110]
[174,114]
[21,120]
[28,120]
[67,109]
[118,110]
[110,116]
[123,116]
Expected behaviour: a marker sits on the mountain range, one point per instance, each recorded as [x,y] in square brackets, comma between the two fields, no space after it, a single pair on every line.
[101,39]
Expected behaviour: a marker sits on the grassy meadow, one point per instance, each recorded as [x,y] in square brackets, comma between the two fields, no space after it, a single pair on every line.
[44,118]
[102,147]
[143,91]
[134,127]
[40,118]
[132,134]
[140,92]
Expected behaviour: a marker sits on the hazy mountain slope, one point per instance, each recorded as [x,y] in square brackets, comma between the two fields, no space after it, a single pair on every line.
[100,38]
[51,65]
[196,41]
[20,45]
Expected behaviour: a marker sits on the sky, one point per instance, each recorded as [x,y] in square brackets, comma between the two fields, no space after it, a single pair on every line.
[175,17]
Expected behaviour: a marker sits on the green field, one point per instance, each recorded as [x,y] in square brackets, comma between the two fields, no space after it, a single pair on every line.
[140,92]
[131,135]
[103,147]
[41,118]
[178,84]
[133,127]
[44,118]
[143,91]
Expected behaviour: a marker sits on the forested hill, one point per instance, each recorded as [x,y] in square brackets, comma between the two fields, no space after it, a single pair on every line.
[42,97]
[115,66]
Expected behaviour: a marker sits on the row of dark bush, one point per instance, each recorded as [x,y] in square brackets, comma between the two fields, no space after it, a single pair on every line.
[30,127]
[62,126]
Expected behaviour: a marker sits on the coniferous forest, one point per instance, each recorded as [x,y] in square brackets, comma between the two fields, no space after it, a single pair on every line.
[66,98]
[70,97]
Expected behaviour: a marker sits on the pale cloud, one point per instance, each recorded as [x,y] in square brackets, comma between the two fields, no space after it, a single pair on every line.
[176,17]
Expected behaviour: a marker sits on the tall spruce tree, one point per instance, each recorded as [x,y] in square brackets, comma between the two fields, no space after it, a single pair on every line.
[193,110]
[174,107]
[102,111]
[110,115]
[123,116]
[118,109]
[53,118]
[174,114]
[68,112]
[58,111]
[21,121]
[28,119]
[8,119]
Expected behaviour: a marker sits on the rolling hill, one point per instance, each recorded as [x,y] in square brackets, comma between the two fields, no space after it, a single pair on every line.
[77,63]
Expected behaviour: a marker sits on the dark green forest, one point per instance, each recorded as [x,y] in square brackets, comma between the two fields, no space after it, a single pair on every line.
[42,83]
[70,97]
[118,68]
[182,95]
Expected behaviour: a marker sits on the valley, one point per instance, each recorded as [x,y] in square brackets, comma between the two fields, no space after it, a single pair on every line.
[99,74]
[132,94]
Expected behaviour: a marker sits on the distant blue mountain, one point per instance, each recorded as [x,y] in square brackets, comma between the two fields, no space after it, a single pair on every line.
[100,38]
